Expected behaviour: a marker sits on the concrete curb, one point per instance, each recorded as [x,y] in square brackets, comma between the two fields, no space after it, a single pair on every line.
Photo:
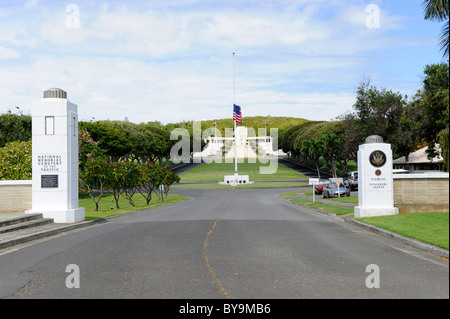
[65,228]
[438,251]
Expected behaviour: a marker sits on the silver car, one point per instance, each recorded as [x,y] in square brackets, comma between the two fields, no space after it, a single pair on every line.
[335,190]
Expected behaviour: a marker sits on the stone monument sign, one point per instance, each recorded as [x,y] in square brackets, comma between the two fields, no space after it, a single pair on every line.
[55,158]
[375,179]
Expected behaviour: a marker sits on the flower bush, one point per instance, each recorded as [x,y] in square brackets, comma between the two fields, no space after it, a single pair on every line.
[88,149]
[15,161]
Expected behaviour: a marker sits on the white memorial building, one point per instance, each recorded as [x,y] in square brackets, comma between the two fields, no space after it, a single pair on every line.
[246,146]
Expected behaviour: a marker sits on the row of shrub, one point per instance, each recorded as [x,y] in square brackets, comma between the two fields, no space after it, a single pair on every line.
[125,179]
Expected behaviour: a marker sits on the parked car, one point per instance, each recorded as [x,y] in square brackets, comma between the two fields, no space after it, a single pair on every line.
[318,188]
[351,181]
[335,190]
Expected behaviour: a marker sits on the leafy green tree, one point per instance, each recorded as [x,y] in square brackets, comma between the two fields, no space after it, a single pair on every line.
[94,178]
[377,112]
[14,127]
[331,148]
[130,180]
[112,139]
[148,180]
[428,114]
[313,149]
[115,181]
[15,161]
[152,177]
[168,178]
[443,139]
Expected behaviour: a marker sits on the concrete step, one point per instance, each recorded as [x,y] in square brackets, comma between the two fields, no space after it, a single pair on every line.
[18,218]
[33,233]
[24,224]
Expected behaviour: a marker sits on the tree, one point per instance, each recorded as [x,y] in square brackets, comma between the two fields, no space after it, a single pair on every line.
[168,178]
[112,139]
[429,111]
[148,180]
[313,149]
[443,139]
[14,127]
[377,112]
[93,179]
[332,146]
[88,148]
[131,180]
[438,10]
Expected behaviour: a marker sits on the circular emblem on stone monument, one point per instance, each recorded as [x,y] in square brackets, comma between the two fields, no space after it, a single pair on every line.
[377,172]
[377,158]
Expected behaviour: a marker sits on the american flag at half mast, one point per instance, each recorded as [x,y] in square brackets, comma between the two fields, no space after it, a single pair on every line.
[237,114]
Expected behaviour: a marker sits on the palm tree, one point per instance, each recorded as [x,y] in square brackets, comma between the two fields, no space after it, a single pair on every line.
[438,10]
[331,144]
[313,149]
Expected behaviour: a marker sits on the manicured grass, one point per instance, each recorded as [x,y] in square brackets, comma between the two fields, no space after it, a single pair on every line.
[107,206]
[291,194]
[351,199]
[338,210]
[214,172]
[255,185]
[432,228]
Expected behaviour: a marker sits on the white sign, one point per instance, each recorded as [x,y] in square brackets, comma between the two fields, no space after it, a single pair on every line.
[313,181]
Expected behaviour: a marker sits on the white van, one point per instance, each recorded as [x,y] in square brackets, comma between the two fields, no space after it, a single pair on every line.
[351,181]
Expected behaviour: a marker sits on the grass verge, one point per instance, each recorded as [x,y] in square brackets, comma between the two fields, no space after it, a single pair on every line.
[255,185]
[107,206]
[432,228]
[338,210]
[214,172]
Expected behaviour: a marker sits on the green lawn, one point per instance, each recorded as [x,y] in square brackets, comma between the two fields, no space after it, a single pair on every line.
[214,172]
[255,185]
[350,199]
[338,210]
[432,228]
[107,206]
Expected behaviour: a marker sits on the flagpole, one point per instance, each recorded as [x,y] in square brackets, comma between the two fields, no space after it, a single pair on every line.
[234,103]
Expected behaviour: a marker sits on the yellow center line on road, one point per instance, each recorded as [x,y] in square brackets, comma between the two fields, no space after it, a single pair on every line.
[210,268]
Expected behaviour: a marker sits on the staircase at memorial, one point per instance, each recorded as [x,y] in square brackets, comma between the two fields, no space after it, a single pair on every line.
[21,228]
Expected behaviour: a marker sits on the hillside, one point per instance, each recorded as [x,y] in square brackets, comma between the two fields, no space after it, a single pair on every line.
[254,122]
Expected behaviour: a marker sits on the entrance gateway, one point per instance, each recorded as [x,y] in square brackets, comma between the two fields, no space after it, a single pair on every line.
[55,158]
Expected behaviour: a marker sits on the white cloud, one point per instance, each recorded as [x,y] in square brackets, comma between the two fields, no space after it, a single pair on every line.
[170,62]
[8,53]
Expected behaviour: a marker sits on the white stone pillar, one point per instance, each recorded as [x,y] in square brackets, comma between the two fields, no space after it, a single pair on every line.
[375,179]
[55,158]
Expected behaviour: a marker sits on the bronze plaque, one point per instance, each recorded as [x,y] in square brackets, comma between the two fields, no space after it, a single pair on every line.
[49,181]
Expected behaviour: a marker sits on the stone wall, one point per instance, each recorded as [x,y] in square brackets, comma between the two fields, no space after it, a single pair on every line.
[421,193]
[15,195]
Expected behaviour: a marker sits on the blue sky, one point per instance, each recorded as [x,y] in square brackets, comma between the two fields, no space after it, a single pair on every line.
[172,60]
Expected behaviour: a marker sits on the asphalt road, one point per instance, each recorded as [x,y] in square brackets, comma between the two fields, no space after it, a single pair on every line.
[222,244]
